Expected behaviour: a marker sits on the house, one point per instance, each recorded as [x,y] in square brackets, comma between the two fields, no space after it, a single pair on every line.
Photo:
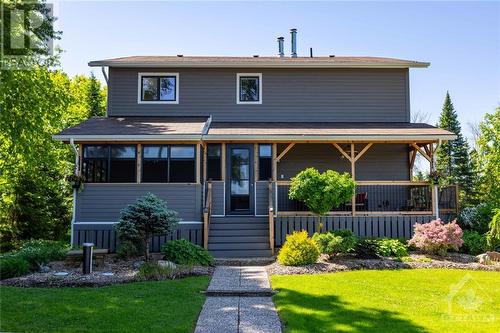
[219,138]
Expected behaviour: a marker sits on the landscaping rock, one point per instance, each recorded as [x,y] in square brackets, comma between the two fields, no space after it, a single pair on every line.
[166,264]
[414,261]
[484,259]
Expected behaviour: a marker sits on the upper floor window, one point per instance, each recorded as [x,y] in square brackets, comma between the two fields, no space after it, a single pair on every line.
[158,88]
[109,163]
[249,88]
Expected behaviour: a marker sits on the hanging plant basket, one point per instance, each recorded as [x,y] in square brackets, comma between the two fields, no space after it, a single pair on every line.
[75,181]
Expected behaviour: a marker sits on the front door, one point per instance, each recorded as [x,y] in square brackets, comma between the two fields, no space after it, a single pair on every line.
[240,176]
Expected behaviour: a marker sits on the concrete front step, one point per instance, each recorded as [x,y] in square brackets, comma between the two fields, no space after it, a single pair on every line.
[238,246]
[240,253]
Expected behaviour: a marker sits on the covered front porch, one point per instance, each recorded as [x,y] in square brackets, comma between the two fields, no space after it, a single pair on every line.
[387,201]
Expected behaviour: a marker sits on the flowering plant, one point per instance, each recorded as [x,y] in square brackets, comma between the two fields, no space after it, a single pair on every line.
[437,237]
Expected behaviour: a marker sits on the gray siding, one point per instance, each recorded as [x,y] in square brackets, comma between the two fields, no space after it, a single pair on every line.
[104,235]
[380,162]
[362,226]
[103,202]
[262,198]
[218,198]
[332,95]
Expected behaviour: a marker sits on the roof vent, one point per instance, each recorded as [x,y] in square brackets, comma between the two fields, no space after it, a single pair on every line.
[281,48]
[332,55]
[180,55]
[255,55]
[293,32]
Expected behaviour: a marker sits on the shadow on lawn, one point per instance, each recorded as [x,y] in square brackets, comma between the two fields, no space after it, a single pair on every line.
[301,312]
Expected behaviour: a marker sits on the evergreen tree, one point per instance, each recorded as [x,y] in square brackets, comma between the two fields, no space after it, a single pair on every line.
[95,98]
[453,159]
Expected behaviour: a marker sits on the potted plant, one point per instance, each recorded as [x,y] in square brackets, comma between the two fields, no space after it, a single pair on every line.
[76,181]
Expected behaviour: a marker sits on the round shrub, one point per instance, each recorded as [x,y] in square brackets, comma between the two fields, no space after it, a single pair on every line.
[331,243]
[183,252]
[387,247]
[299,249]
[474,243]
[366,248]
[436,237]
[12,265]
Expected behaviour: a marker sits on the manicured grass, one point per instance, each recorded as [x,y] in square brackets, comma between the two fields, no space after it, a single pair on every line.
[163,306]
[390,301]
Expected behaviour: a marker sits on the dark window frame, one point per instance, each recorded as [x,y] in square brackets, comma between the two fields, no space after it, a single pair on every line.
[108,159]
[158,82]
[169,159]
[243,77]
[270,158]
[150,158]
[219,171]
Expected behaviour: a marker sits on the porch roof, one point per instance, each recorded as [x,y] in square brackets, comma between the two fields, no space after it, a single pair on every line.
[314,131]
[136,128]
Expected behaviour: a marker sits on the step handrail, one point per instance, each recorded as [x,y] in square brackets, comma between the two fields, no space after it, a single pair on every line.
[271,216]
[207,211]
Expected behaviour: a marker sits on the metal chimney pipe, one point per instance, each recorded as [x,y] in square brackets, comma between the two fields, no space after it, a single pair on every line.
[281,48]
[293,32]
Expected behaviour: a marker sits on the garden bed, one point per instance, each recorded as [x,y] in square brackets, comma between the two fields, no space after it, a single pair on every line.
[343,263]
[111,272]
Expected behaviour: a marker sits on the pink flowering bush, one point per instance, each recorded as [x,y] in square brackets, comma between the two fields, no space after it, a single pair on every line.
[437,237]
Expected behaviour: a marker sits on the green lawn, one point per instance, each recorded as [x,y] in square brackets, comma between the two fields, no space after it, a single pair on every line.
[163,306]
[390,301]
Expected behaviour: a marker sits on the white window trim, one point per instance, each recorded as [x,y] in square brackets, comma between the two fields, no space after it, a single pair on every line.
[238,75]
[139,88]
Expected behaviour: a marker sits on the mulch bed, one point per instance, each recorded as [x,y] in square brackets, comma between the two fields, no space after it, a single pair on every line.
[343,263]
[124,271]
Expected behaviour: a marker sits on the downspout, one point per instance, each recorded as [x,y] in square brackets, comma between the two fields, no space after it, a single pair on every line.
[76,172]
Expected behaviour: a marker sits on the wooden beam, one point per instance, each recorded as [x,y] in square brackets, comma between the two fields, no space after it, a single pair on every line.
[223,160]
[413,157]
[283,153]
[427,157]
[198,163]
[275,164]
[363,151]
[205,155]
[342,151]
[256,161]
[139,163]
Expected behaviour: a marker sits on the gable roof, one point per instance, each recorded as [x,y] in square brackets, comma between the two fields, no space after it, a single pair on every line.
[258,62]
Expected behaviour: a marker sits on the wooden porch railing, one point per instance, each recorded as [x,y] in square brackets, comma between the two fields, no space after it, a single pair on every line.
[271,216]
[207,211]
[375,198]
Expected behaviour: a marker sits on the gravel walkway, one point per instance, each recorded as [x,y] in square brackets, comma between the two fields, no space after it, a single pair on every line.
[238,301]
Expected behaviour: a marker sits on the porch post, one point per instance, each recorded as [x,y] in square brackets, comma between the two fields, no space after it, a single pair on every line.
[353,175]
[139,163]
[435,187]
[198,164]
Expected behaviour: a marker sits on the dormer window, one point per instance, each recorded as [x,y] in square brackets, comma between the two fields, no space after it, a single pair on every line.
[249,88]
[158,88]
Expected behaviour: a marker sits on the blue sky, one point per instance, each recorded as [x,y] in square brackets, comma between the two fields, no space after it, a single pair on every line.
[460,39]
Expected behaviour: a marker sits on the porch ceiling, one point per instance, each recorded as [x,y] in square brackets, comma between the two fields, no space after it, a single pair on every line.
[294,131]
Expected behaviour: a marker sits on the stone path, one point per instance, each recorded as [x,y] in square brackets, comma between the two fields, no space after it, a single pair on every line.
[239,301]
